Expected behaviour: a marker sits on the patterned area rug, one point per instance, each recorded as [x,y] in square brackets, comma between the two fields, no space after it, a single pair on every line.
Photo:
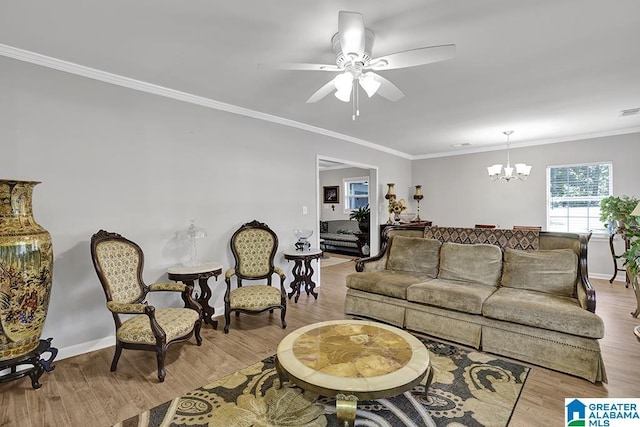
[468,389]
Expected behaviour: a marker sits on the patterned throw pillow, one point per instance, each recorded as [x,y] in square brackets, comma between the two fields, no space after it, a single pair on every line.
[324,227]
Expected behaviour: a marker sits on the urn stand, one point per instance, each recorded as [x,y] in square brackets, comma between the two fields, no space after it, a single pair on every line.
[26,269]
[9,368]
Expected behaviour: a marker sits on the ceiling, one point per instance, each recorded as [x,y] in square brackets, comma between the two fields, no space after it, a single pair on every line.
[550,70]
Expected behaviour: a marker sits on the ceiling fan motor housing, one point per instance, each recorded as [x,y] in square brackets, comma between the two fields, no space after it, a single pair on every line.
[342,60]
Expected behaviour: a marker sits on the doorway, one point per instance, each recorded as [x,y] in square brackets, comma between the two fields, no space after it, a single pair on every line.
[325,163]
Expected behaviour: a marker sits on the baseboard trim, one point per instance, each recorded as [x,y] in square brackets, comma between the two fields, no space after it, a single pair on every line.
[85,347]
[619,278]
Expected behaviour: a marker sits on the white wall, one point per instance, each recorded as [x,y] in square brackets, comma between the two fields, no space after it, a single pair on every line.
[458,191]
[143,166]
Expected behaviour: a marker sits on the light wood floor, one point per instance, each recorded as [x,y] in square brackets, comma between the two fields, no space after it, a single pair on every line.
[81,391]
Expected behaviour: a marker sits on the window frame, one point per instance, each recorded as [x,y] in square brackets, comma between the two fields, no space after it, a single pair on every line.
[596,231]
[348,196]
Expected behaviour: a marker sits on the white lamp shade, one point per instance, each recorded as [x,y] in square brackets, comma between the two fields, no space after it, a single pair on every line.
[636,211]
[508,172]
[494,170]
[523,169]
[343,95]
[369,84]
[343,83]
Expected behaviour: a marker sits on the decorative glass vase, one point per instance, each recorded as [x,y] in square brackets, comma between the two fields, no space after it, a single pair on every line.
[26,269]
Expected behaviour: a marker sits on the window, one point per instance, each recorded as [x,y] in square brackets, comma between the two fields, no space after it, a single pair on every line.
[356,193]
[573,196]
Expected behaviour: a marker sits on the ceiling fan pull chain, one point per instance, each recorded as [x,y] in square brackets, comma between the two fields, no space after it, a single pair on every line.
[354,98]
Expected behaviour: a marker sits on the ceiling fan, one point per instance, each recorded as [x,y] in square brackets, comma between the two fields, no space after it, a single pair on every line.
[353,44]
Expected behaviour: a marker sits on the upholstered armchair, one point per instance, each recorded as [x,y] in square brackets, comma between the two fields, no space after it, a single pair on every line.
[254,246]
[119,263]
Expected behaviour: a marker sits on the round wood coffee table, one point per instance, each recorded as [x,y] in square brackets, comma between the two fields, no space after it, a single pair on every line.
[351,360]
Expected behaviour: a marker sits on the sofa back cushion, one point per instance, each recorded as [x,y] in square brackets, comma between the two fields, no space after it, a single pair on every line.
[553,271]
[471,263]
[414,254]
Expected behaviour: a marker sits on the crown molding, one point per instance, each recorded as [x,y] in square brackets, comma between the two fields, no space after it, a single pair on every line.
[127,82]
[529,143]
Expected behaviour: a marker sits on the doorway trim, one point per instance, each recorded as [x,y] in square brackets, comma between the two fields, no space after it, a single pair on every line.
[374,236]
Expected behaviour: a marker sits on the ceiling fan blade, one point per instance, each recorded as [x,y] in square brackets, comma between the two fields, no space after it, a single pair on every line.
[322,92]
[413,57]
[352,33]
[299,66]
[387,89]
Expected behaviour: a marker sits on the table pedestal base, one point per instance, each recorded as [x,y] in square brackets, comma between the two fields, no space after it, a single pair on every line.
[346,408]
[201,273]
[33,358]
[303,273]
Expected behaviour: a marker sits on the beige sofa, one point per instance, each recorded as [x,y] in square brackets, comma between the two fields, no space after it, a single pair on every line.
[522,294]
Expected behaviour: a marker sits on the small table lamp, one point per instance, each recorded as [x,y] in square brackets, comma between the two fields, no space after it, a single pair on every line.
[191,234]
[391,195]
[417,197]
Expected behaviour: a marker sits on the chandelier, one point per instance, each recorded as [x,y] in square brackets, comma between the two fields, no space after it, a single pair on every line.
[522,170]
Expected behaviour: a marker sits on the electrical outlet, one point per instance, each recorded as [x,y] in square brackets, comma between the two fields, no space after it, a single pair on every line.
[305,210]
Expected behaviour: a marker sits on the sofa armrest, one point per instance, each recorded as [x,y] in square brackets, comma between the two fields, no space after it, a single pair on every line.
[379,262]
[586,292]
[374,263]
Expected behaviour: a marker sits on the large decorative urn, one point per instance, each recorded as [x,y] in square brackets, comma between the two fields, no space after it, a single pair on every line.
[26,268]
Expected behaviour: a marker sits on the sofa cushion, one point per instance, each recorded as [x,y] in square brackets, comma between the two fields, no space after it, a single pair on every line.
[324,227]
[452,295]
[471,263]
[543,310]
[414,254]
[552,271]
[386,282]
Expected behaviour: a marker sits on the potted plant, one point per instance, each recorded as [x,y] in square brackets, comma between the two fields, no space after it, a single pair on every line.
[615,212]
[631,256]
[362,215]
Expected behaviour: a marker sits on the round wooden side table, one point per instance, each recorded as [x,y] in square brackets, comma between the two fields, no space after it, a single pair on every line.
[201,273]
[302,271]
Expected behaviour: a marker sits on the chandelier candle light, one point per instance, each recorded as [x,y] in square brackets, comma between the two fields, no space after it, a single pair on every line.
[522,170]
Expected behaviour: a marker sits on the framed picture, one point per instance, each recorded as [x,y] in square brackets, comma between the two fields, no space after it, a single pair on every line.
[331,194]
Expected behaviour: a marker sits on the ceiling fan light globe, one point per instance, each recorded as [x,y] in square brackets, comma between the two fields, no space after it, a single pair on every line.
[343,95]
[343,82]
[369,84]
